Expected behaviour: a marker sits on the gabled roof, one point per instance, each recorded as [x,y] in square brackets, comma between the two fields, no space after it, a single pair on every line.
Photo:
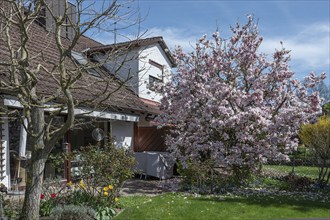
[43,48]
[87,42]
[136,44]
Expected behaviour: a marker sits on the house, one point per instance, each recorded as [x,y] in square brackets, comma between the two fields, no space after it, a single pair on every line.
[127,115]
[149,63]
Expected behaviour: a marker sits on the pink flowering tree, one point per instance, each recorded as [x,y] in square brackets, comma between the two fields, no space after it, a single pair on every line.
[229,104]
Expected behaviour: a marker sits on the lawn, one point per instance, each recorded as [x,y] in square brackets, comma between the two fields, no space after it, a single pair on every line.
[181,206]
[311,172]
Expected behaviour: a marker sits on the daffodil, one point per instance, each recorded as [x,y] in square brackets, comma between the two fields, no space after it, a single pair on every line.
[110,187]
[116,199]
[70,183]
[105,193]
[105,189]
[82,184]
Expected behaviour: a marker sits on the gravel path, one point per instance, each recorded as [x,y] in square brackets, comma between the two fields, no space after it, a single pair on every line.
[150,187]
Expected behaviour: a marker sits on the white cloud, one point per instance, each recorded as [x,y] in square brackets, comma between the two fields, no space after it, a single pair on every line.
[172,36]
[310,48]
[175,37]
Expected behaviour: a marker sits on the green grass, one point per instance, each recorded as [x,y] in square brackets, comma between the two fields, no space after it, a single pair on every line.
[311,172]
[180,206]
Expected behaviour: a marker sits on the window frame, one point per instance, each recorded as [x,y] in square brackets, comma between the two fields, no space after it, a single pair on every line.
[81,60]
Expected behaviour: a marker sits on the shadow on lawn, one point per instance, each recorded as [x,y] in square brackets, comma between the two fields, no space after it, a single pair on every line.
[270,201]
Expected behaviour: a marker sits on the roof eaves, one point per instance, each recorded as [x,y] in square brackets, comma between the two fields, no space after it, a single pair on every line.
[136,44]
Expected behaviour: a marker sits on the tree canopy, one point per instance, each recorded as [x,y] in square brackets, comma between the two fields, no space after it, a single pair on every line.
[231,104]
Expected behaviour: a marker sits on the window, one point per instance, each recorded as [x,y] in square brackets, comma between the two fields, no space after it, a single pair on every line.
[82,61]
[155,64]
[153,82]
[41,20]
[159,66]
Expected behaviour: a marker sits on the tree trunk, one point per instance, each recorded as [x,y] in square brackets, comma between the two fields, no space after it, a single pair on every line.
[31,204]
[34,180]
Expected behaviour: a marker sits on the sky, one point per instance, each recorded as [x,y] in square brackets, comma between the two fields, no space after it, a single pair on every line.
[303,26]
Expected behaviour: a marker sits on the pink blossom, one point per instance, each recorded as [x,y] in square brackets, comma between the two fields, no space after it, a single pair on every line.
[229,101]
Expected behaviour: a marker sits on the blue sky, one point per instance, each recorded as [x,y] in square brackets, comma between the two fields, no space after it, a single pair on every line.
[302,26]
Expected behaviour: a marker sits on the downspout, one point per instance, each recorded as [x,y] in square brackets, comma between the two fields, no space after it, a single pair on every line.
[21,149]
[22,139]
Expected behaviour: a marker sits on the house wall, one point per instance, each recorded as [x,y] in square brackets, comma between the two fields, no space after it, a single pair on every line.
[123,133]
[155,53]
[137,67]
[4,142]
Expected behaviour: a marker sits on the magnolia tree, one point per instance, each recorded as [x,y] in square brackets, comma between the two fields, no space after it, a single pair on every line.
[229,104]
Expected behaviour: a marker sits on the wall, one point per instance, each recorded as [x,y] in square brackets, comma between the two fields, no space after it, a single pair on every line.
[138,67]
[144,123]
[4,141]
[155,53]
[123,133]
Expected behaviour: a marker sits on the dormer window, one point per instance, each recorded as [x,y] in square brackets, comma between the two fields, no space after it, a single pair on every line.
[81,60]
[41,20]
[153,82]
[159,66]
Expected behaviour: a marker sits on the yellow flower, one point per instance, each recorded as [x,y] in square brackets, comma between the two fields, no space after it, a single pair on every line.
[105,189]
[110,187]
[116,199]
[105,193]
[70,183]
[82,184]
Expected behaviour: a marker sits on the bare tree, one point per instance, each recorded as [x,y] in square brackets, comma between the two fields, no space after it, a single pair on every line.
[51,79]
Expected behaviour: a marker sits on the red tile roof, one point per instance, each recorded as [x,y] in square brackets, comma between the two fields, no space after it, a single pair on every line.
[43,50]
[136,44]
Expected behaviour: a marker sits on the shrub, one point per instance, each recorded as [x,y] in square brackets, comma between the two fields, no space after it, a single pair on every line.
[10,207]
[201,177]
[317,137]
[295,182]
[104,213]
[104,166]
[102,172]
[73,212]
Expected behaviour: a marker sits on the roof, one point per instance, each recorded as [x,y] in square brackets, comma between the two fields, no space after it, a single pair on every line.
[87,42]
[42,47]
[136,44]
[152,105]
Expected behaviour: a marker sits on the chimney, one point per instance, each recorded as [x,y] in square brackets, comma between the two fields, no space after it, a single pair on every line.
[58,9]
[72,16]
